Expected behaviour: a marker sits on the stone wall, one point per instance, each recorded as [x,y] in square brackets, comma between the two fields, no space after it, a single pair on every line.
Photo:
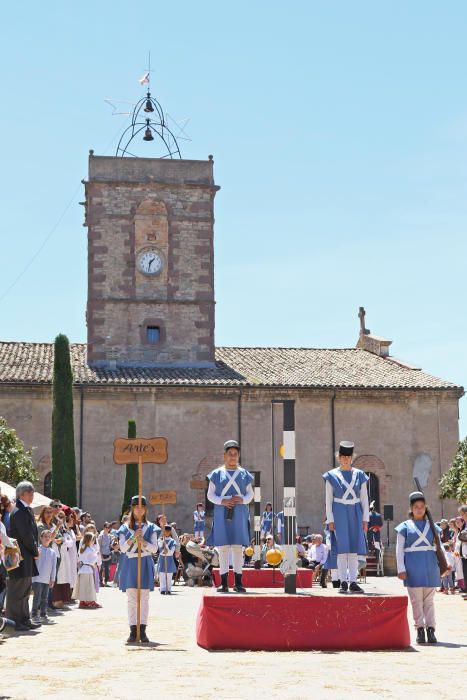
[391,428]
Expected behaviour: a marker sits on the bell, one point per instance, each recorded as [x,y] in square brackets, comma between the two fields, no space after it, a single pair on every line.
[148,135]
[149,107]
[274,557]
[249,551]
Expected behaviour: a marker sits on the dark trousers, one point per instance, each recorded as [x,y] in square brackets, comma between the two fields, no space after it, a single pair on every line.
[323,572]
[17,599]
[39,599]
[105,570]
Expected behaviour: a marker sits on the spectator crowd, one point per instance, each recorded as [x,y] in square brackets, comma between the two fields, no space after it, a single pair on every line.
[57,558]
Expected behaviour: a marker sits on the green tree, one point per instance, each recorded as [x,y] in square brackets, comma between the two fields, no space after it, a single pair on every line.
[15,460]
[131,473]
[454,482]
[63,434]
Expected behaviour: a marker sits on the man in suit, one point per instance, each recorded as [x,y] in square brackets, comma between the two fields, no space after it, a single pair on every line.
[23,528]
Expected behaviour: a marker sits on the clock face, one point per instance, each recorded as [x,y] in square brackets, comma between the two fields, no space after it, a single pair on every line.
[150,262]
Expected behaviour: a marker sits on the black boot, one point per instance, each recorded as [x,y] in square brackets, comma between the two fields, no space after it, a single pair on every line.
[336,584]
[132,637]
[224,587]
[421,635]
[142,634]
[430,633]
[238,588]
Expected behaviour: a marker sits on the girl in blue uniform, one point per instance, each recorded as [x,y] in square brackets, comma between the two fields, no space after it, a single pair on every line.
[417,566]
[230,489]
[166,563]
[130,534]
[347,514]
[266,521]
[198,518]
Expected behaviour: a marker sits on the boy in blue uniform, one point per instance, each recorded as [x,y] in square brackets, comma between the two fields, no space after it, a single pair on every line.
[417,566]
[166,566]
[347,515]
[280,526]
[231,490]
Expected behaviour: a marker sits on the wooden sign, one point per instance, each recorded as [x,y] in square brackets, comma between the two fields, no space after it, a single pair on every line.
[198,484]
[165,498]
[144,450]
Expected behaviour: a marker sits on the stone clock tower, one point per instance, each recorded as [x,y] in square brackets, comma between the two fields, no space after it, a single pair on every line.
[150,262]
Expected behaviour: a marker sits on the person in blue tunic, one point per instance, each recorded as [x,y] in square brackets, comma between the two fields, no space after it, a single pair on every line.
[231,490]
[417,566]
[280,526]
[198,520]
[129,534]
[266,521]
[347,514]
[166,566]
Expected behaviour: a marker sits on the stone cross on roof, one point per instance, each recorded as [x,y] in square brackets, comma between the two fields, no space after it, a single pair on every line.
[369,342]
[361,316]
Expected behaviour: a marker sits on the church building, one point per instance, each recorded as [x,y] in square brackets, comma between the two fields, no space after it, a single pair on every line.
[151,356]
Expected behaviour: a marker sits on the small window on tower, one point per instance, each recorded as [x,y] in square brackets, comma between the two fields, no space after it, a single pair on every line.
[153,334]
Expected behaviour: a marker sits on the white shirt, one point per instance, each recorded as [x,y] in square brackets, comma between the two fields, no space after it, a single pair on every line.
[400,559]
[318,552]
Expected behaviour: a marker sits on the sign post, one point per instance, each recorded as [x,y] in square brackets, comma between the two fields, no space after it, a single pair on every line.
[148,451]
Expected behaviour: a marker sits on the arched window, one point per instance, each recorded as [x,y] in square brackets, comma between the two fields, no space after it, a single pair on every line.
[373,490]
[378,485]
[48,485]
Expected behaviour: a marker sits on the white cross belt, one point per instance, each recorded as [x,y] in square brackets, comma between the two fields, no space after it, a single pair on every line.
[232,482]
[347,501]
[422,543]
[132,554]
[350,497]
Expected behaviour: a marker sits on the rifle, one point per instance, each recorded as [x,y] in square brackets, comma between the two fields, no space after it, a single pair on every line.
[444,567]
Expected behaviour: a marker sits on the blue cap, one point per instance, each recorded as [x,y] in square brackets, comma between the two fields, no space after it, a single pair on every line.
[416,496]
[231,443]
[135,501]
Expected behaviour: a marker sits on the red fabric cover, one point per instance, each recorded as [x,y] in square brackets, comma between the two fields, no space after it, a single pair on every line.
[266,578]
[282,622]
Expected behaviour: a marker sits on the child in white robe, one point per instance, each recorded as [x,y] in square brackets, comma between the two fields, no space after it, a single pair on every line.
[85,586]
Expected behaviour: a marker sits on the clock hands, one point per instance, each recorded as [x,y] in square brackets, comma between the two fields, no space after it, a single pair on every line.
[150,262]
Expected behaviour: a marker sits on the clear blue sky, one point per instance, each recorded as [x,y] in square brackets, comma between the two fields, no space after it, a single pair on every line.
[339,133]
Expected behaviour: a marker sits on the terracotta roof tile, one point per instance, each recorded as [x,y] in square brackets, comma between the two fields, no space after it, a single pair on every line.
[32,363]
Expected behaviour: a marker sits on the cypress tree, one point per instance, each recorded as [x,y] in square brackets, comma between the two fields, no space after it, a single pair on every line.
[131,473]
[63,434]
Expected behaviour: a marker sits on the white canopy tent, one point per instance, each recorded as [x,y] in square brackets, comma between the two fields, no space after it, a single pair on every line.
[39,498]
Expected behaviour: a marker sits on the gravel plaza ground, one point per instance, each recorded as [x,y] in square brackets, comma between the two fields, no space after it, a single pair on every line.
[82,654]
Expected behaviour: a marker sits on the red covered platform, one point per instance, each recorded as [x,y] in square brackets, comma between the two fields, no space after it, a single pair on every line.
[266,578]
[278,622]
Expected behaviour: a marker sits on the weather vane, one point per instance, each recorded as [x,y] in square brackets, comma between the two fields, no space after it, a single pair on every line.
[149,123]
